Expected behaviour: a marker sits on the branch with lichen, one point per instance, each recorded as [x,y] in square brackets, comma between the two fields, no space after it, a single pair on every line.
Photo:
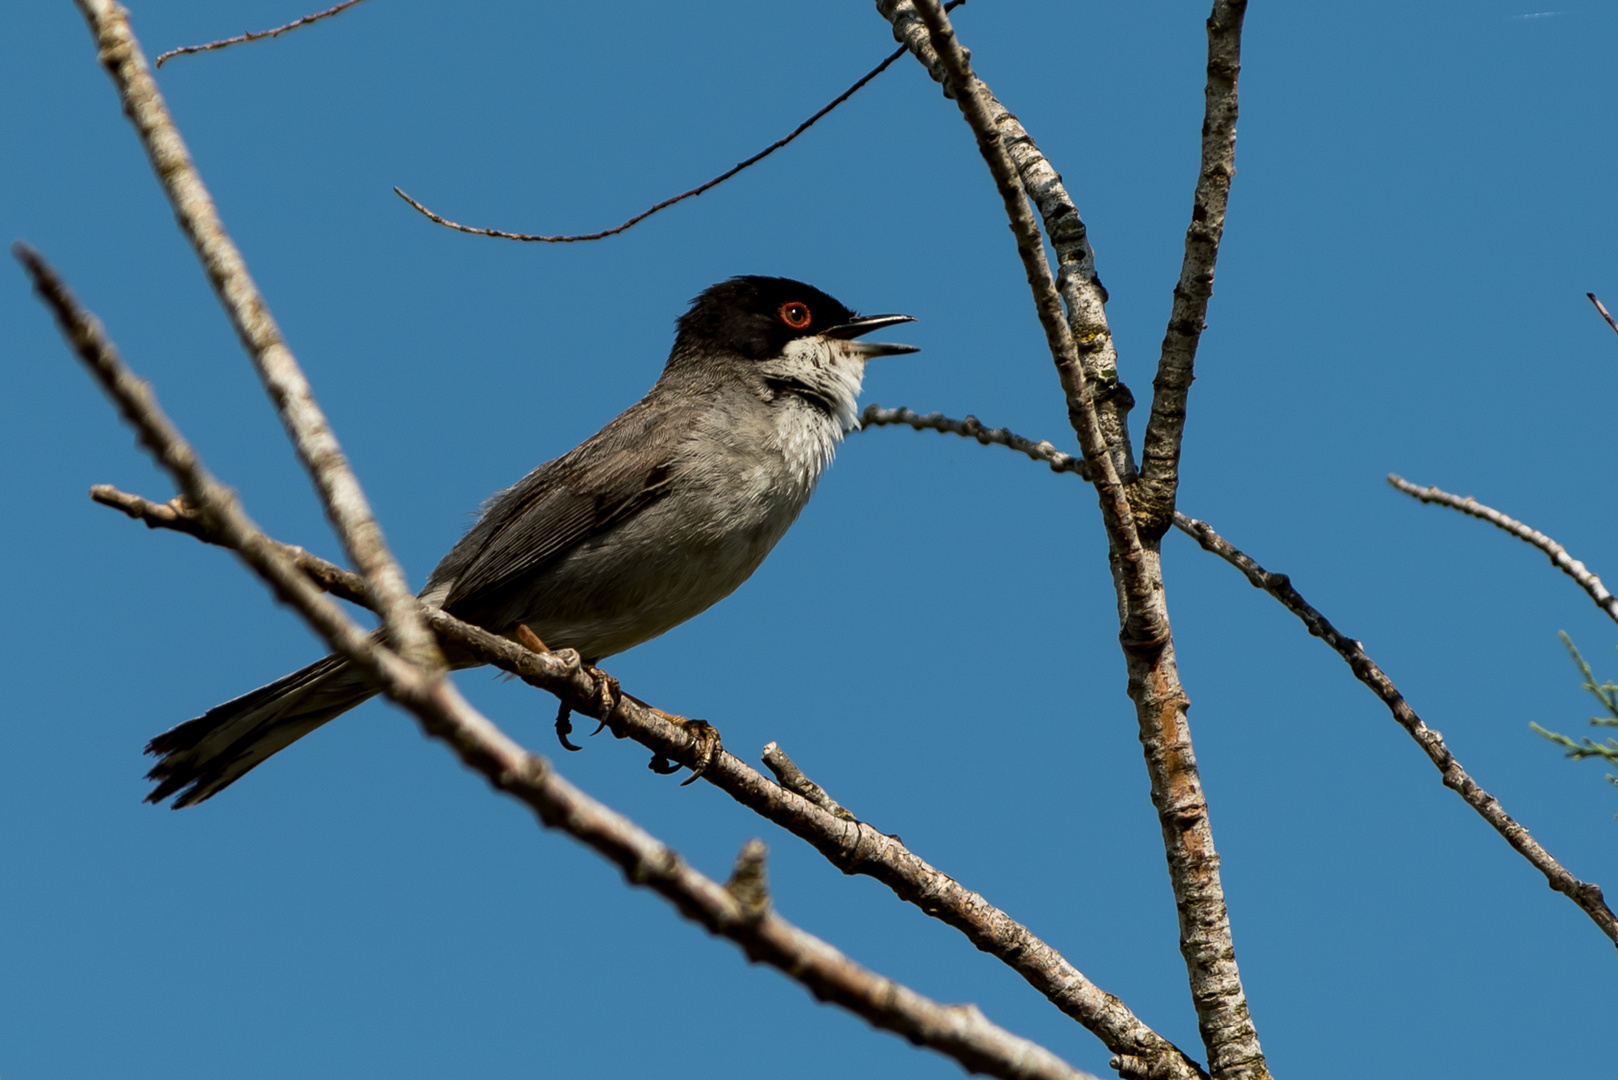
[1086,367]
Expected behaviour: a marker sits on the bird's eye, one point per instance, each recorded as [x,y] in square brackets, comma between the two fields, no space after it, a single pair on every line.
[794,314]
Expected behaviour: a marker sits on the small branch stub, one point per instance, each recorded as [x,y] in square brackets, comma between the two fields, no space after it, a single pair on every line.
[749,880]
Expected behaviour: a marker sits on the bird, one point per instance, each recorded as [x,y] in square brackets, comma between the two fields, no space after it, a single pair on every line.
[652,520]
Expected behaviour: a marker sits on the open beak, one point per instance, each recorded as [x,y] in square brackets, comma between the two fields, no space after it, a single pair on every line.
[864,324]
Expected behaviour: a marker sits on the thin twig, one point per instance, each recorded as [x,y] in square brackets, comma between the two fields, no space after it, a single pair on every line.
[853,847]
[1206,942]
[1586,895]
[666,203]
[284,381]
[1558,555]
[1153,500]
[1605,314]
[254,35]
[972,428]
[959,1031]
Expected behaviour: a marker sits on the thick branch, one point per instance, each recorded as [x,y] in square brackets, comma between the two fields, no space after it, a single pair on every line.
[1154,683]
[294,401]
[1586,895]
[1160,450]
[852,846]
[1076,277]
[960,1032]
[1140,629]
[1558,555]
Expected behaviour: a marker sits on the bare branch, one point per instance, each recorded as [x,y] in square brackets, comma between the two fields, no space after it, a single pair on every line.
[972,428]
[1206,943]
[1558,555]
[289,390]
[536,238]
[960,1031]
[1160,449]
[1076,276]
[254,35]
[1605,314]
[854,847]
[1141,629]
[1586,895]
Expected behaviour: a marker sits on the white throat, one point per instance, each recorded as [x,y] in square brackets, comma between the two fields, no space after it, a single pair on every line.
[829,373]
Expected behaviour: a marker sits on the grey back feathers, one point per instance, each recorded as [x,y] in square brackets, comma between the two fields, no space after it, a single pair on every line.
[653,519]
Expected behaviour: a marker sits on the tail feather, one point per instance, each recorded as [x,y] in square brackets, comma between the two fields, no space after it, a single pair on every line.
[201,757]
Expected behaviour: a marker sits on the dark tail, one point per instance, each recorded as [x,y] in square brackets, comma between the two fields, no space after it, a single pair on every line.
[202,757]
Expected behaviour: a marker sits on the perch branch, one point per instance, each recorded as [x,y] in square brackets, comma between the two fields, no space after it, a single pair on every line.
[854,847]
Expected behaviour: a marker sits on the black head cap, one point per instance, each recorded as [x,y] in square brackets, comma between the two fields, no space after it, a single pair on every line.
[757,316]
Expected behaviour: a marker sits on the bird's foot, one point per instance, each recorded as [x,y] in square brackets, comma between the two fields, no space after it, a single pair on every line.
[564,726]
[704,738]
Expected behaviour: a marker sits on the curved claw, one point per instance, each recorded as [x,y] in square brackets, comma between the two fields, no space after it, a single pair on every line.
[564,727]
[602,726]
[706,736]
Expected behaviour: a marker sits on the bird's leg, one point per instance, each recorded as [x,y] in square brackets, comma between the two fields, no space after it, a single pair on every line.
[704,738]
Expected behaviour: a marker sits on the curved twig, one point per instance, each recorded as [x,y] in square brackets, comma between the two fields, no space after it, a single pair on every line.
[1558,555]
[253,35]
[535,238]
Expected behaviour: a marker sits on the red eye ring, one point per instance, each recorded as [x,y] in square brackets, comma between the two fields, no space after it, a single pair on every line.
[794,314]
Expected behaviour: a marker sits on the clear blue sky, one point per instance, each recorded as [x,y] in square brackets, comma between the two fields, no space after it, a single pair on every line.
[1424,196]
